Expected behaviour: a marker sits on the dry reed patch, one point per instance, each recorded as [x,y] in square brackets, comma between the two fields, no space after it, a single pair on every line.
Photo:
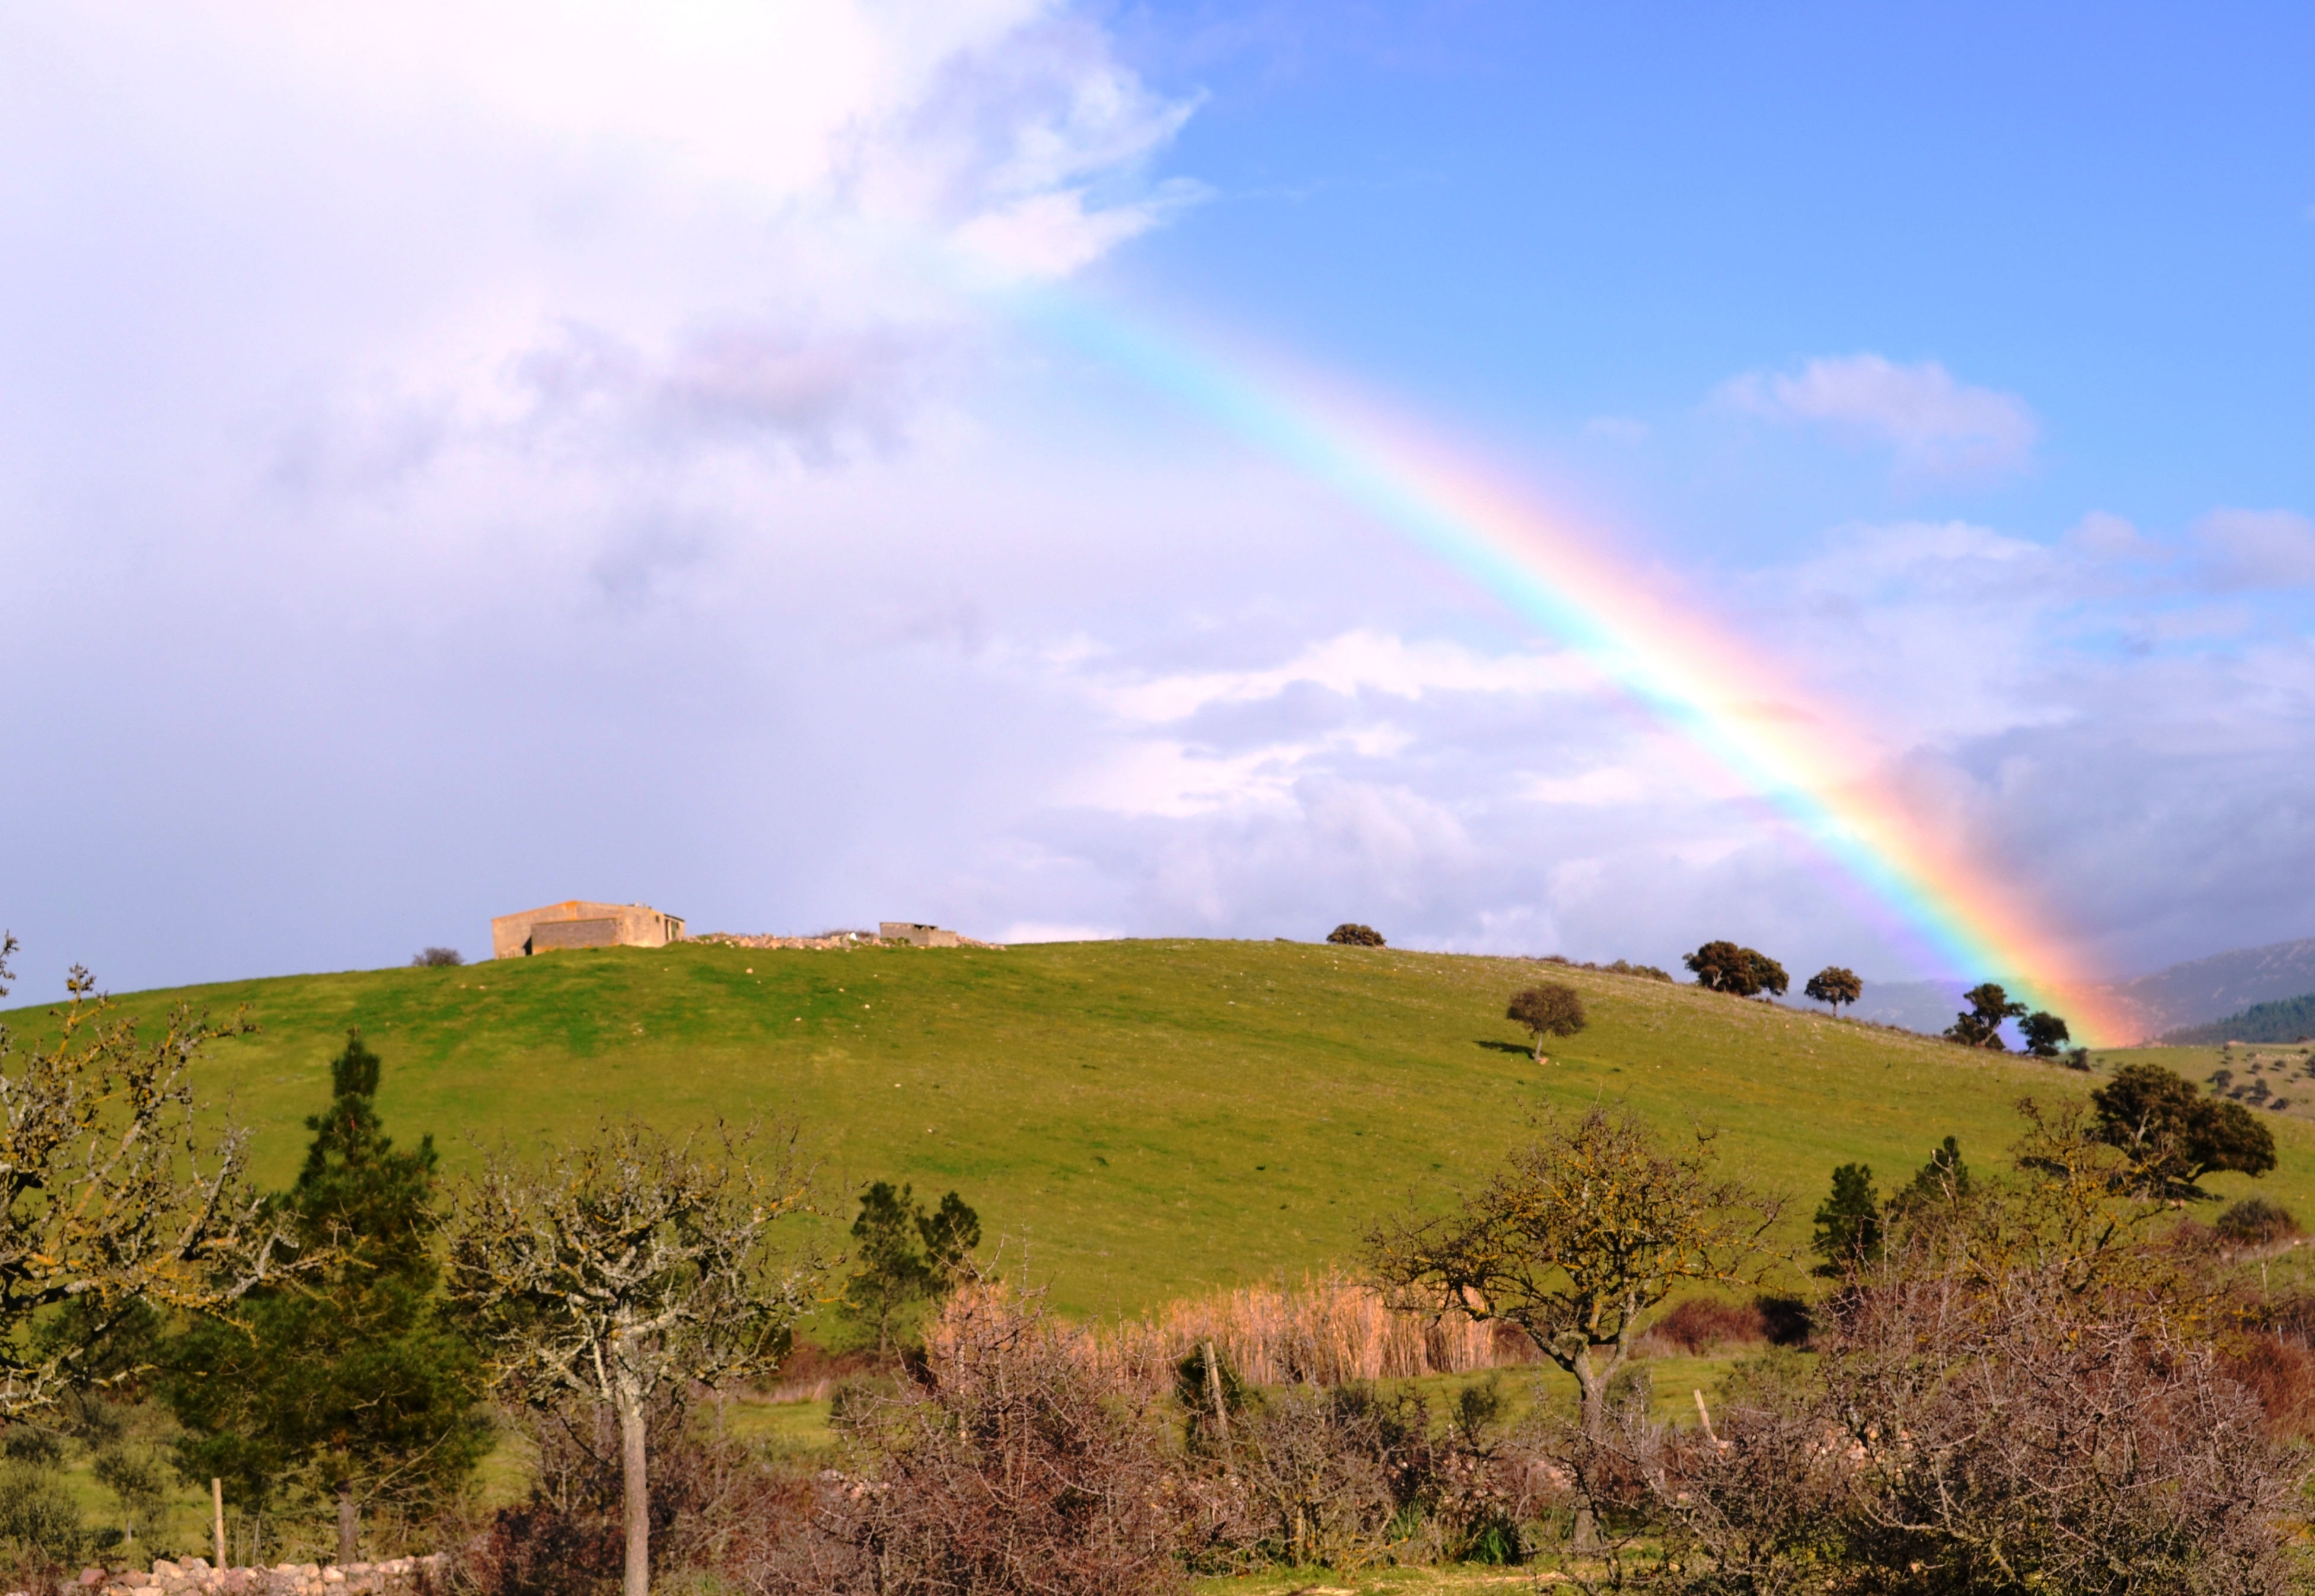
[1329,1331]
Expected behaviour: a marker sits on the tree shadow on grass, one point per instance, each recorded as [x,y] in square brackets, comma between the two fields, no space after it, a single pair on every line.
[1520,1047]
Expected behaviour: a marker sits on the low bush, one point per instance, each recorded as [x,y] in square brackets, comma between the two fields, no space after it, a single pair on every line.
[1698,1325]
[437,958]
[1349,934]
[2256,1222]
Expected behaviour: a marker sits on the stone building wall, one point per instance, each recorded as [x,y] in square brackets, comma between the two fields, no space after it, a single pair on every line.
[577,922]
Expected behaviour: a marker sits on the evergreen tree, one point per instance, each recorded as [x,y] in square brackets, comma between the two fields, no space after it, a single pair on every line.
[902,1255]
[1849,1221]
[1939,1186]
[353,1373]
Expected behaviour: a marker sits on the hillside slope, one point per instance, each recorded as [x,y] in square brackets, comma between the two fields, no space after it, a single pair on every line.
[1151,1117]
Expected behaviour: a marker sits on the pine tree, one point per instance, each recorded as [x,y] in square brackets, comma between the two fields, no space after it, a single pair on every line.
[353,1374]
[1849,1221]
[901,1255]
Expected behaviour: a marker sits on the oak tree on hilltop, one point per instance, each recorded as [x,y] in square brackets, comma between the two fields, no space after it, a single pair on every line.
[1739,971]
[2046,1033]
[1834,986]
[1980,1025]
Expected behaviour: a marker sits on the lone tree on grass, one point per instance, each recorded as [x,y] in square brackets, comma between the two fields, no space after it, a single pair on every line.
[1582,1232]
[1834,986]
[1739,971]
[1550,1009]
[111,1204]
[352,1372]
[624,1266]
[1980,1025]
[2174,1134]
[902,1255]
[1349,934]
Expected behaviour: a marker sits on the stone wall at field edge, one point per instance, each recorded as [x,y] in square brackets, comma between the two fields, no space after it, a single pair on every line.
[397,1576]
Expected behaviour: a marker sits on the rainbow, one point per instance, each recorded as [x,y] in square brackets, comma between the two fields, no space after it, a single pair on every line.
[1722,697]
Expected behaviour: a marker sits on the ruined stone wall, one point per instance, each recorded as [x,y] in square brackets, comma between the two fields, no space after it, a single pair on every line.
[832,941]
[193,1577]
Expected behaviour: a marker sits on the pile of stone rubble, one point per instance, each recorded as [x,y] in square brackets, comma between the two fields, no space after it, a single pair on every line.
[397,1576]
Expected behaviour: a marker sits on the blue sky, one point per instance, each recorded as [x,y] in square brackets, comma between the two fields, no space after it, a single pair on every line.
[453,458]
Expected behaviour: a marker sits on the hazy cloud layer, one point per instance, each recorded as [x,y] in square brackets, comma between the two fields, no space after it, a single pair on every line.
[450,462]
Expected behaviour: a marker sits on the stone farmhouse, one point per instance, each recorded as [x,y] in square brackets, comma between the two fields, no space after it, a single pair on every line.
[918,936]
[578,923]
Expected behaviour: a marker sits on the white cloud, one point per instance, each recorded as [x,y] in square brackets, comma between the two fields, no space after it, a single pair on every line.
[1937,425]
[2254,548]
[1348,664]
[1605,785]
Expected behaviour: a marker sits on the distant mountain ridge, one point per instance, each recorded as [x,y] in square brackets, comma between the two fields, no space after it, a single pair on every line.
[2194,994]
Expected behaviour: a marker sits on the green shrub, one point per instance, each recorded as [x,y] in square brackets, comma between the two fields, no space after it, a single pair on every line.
[38,1511]
[2255,1221]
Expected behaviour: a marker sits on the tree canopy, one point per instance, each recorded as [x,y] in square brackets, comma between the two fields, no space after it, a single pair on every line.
[1849,1222]
[1550,1008]
[1980,1025]
[111,1201]
[1586,1228]
[1740,971]
[2046,1033]
[353,1372]
[2176,1135]
[902,1255]
[1834,986]
[624,1266]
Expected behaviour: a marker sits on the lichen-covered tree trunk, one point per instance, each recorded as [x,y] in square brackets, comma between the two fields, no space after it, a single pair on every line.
[1592,1377]
[634,1477]
[348,1522]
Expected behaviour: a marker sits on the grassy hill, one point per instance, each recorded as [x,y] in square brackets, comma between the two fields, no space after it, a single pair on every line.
[1151,1117]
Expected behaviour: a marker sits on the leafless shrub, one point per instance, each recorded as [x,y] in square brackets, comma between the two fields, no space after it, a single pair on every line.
[1965,1436]
[2281,1374]
[437,958]
[1013,1466]
[1697,1325]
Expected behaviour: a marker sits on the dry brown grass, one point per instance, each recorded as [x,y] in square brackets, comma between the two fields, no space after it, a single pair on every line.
[1330,1330]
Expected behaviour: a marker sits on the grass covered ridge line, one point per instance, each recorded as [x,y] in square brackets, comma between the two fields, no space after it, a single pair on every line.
[1151,1119]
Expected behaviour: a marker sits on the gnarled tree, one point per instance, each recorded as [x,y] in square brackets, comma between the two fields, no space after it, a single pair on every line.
[1582,1232]
[1980,1025]
[2174,1135]
[623,1267]
[109,1197]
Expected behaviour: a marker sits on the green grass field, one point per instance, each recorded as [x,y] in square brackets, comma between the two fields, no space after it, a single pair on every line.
[1144,1118]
